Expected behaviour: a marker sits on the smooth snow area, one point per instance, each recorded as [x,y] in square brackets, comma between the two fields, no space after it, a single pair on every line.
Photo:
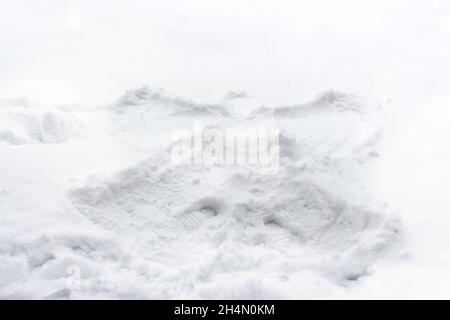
[93,205]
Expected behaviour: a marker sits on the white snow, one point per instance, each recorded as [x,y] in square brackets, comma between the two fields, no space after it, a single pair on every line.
[92,204]
[110,201]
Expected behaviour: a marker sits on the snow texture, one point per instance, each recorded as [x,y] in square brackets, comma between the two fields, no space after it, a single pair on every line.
[103,198]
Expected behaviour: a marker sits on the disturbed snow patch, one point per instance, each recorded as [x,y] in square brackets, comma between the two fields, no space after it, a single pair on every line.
[221,223]
[22,125]
[102,211]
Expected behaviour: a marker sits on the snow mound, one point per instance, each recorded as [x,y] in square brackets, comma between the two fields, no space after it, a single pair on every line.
[324,102]
[21,125]
[147,98]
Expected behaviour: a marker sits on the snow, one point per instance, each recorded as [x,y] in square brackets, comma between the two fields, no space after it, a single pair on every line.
[94,205]
[118,208]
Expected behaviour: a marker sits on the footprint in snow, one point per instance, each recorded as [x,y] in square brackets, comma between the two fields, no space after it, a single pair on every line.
[194,219]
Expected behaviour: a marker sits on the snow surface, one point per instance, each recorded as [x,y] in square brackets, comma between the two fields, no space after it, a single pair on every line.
[102,194]
[92,205]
